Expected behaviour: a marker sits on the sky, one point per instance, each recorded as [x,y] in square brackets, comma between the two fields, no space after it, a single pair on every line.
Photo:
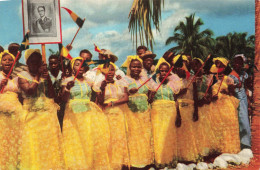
[106,23]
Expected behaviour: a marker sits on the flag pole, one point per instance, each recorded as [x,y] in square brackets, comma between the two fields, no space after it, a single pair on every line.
[43,53]
[78,70]
[164,79]
[77,32]
[144,83]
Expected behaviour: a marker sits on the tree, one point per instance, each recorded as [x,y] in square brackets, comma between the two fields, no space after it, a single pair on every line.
[190,40]
[235,43]
[143,15]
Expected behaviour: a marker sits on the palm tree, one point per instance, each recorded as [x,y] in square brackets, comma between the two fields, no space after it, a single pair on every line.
[143,15]
[190,40]
[235,43]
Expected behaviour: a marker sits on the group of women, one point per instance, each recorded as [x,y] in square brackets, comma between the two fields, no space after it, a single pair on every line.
[135,121]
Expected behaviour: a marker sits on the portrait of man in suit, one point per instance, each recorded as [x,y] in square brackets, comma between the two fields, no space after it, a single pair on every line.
[43,24]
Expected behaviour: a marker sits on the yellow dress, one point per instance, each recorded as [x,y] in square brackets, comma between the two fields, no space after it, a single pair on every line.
[204,136]
[186,137]
[163,115]
[225,118]
[85,130]
[10,125]
[41,138]
[118,147]
[139,123]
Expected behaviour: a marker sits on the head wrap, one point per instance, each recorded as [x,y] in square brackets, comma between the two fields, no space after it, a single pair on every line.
[109,54]
[72,62]
[200,60]
[184,57]
[101,68]
[29,52]
[161,60]
[6,52]
[129,60]
[242,56]
[222,60]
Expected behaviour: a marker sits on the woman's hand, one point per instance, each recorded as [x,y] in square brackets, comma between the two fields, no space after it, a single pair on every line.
[151,96]
[133,90]
[4,82]
[70,85]
[103,85]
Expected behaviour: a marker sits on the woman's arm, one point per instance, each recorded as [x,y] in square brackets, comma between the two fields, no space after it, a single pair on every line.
[123,100]
[65,92]
[28,88]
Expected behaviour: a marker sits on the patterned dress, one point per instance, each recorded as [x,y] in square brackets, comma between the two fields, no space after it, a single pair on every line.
[85,130]
[163,115]
[10,125]
[139,123]
[41,137]
[118,149]
[224,119]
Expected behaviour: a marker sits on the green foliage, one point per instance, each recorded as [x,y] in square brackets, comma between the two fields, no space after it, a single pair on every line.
[53,52]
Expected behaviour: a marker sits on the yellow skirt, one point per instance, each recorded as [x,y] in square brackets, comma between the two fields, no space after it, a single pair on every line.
[86,138]
[204,135]
[226,127]
[41,138]
[118,149]
[11,128]
[163,116]
[139,138]
[186,139]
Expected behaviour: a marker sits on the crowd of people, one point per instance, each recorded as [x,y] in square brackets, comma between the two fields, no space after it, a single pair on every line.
[141,114]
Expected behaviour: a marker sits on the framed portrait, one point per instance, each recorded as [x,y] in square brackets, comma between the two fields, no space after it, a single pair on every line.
[42,19]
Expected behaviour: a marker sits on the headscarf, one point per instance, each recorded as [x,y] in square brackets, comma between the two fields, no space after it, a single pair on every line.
[161,60]
[129,60]
[222,60]
[29,52]
[184,57]
[6,52]
[200,60]
[72,62]
[101,68]
[242,56]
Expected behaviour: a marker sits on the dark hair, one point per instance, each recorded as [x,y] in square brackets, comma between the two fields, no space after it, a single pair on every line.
[85,51]
[164,64]
[53,57]
[40,7]
[141,47]
[13,48]
[167,53]
[1,49]
[34,54]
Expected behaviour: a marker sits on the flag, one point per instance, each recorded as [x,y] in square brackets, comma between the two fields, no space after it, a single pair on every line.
[75,17]
[25,42]
[89,62]
[64,52]
[97,49]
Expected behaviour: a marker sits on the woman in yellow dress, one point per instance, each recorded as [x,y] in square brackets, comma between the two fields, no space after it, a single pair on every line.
[10,109]
[113,97]
[163,115]
[41,137]
[85,127]
[225,124]
[186,139]
[139,114]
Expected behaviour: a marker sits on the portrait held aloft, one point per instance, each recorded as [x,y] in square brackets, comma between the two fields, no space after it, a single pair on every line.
[44,23]
[42,18]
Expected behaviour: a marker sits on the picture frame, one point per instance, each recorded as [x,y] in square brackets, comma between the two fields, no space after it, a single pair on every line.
[42,19]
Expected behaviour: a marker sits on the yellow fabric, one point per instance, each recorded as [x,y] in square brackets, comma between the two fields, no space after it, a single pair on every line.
[6,52]
[139,137]
[161,60]
[184,57]
[118,149]
[213,69]
[101,68]
[41,139]
[28,52]
[72,62]
[224,120]
[129,59]
[186,136]
[86,138]
[200,60]
[11,129]
[163,116]
[222,60]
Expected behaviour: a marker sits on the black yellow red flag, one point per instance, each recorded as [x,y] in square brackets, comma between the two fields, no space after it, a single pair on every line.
[75,17]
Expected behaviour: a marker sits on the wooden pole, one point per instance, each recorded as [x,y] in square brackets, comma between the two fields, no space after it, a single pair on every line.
[77,32]
[43,54]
